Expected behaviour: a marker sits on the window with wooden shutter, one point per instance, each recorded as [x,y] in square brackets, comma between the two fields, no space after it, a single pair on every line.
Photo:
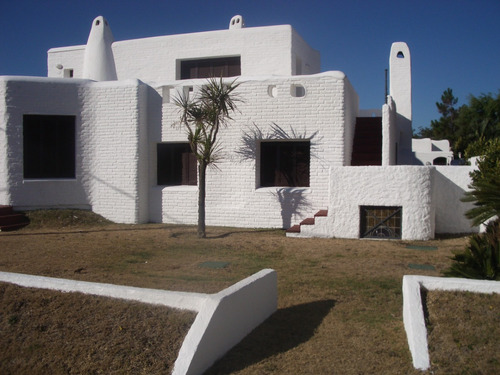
[176,164]
[48,146]
[285,163]
[206,68]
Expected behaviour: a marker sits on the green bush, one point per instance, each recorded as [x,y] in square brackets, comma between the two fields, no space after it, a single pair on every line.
[481,258]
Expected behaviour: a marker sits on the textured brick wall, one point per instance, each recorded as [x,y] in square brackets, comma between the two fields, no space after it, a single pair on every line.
[111,137]
[233,193]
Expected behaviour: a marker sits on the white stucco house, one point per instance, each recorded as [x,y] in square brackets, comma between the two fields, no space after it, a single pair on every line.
[99,133]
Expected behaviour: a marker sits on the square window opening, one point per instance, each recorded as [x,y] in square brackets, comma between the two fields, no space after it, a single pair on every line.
[48,146]
[176,164]
[285,163]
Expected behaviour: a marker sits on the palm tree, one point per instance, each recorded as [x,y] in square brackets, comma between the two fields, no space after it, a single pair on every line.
[203,116]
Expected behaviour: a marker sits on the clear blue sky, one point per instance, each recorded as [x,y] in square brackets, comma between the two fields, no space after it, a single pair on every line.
[453,43]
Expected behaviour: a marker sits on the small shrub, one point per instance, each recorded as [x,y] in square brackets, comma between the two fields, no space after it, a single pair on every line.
[481,258]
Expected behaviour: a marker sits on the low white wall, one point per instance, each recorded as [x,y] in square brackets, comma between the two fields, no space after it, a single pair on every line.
[223,319]
[226,318]
[413,312]
[407,186]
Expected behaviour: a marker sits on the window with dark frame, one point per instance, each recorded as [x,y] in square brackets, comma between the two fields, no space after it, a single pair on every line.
[212,67]
[285,163]
[380,222]
[176,164]
[48,146]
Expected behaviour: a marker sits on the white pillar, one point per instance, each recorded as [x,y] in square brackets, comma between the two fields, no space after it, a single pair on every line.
[400,91]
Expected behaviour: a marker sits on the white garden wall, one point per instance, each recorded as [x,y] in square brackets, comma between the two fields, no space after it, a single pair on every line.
[223,319]
[413,311]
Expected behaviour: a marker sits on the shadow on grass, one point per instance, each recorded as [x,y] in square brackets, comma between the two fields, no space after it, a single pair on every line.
[284,330]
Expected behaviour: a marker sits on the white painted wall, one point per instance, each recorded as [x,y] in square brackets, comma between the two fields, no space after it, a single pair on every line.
[263,50]
[406,186]
[451,182]
[390,136]
[426,150]
[111,145]
[234,196]
[5,150]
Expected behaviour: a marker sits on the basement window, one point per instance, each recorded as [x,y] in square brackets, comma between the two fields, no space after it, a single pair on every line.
[48,146]
[211,67]
[176,164]
[285,163]
[380,222]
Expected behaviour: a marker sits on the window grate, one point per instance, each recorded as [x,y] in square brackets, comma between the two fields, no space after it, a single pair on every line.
[380,222]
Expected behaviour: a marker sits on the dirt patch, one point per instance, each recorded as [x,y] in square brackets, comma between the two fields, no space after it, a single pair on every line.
[48,332]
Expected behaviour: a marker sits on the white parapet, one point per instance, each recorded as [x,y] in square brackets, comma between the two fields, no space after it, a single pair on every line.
[413,312]
[223,319]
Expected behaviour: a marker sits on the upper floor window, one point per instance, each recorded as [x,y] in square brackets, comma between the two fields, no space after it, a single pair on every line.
[48,146]
[214,67]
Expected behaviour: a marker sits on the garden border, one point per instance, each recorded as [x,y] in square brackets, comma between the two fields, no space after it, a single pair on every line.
[223,319]
[413,311]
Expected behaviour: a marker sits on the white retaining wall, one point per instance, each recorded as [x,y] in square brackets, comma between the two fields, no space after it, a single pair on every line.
[223,319]
[413,312]
[406,186]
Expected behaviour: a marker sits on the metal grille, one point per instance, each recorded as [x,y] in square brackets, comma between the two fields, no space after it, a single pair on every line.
[380,222]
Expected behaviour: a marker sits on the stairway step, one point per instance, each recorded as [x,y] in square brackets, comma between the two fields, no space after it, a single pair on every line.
[294,229]
[308,221]
[321,213]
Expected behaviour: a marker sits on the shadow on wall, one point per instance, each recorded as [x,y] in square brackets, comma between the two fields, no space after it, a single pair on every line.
[292,202]
[284,330]
[249,149]
[450,211]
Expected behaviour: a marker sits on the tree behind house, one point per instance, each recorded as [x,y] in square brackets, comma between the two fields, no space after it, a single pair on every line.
[203,116]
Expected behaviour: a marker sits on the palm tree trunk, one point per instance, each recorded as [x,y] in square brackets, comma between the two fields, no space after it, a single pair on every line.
[202,169]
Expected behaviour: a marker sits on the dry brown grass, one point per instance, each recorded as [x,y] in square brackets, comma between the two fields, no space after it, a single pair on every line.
[340,301]
[463,332]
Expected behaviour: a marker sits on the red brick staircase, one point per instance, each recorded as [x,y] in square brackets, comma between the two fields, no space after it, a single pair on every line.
[10,220]
[295,230]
